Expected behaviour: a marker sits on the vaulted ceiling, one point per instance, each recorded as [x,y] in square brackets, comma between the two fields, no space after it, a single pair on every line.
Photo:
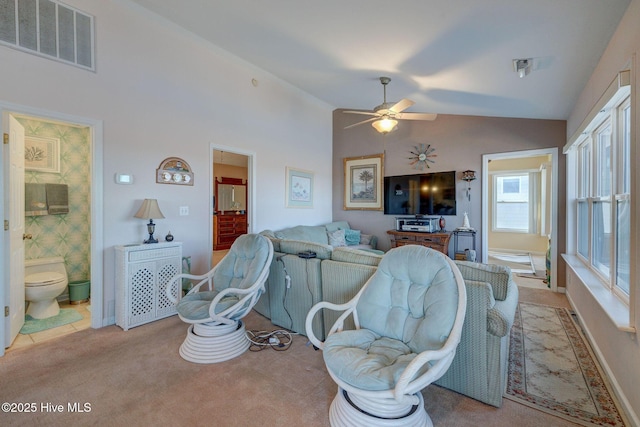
[450,57]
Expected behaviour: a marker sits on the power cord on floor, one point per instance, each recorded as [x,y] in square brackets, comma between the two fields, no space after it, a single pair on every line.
[279,340]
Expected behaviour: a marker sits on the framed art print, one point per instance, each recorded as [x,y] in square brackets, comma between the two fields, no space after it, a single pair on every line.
[299,188]
[42,154]
[363,182]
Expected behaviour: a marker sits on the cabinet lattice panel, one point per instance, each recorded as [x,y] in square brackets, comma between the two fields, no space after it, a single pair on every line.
[142,274]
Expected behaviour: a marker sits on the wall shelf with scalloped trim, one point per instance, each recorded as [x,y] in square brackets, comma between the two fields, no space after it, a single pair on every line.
[174,170]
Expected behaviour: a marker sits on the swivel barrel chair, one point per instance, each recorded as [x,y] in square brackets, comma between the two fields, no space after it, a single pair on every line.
[216,332]
[408,322]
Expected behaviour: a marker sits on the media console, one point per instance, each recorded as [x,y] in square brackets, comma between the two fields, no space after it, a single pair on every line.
[438,240]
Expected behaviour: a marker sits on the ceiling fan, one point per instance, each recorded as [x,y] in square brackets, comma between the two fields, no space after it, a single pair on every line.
[386,115]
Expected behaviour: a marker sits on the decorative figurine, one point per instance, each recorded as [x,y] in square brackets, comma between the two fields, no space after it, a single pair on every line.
[169,237]
[442,223]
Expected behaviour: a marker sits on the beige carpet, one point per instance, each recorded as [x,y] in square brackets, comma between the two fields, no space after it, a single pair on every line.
[137,378]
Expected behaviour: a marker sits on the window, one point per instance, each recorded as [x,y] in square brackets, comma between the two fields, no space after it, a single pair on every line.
[48,28]
[515,201]
[623,208]
[603,181]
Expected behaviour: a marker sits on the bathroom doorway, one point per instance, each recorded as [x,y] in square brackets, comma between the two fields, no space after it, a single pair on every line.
[72,146]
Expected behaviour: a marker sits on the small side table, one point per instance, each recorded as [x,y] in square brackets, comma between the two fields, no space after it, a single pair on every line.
[459,254]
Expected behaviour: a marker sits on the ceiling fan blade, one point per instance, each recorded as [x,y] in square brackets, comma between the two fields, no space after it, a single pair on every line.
[366,113]
[416,116]
[401,105]
[361,123]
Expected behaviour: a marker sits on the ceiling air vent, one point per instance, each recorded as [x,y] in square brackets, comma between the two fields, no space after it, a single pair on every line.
[50,29]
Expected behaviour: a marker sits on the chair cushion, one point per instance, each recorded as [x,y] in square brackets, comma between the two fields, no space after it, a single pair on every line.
[196,306]
[243,264]
[365,360]
[412,297]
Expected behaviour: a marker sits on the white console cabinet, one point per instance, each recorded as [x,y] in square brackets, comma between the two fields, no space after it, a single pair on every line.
[142,274]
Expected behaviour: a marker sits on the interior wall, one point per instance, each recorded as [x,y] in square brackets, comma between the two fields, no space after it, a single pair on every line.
[459,142]
[500,240]
[620,350]
[161,92]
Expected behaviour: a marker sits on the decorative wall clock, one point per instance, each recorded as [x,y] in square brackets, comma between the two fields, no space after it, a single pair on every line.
[422,156]
[174,170]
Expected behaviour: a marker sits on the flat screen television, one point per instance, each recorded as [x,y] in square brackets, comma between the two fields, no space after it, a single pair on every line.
[420,194]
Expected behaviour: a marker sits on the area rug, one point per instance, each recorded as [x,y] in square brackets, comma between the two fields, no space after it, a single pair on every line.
[518,263]
[66,316]
[539,274]
[552,368]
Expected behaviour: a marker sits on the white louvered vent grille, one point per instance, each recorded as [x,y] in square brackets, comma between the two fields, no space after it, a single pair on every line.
[50,29]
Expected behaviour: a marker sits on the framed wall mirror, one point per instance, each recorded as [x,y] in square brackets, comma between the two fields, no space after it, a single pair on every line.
[231,195]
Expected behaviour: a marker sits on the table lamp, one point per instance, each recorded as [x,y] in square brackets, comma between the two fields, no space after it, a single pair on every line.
[150,209]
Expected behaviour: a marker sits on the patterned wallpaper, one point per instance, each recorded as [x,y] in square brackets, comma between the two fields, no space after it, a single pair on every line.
[66,235]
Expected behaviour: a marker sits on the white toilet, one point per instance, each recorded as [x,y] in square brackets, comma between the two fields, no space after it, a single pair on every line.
[44,280]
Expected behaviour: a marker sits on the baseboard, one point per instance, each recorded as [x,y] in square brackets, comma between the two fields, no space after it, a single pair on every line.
[622,399]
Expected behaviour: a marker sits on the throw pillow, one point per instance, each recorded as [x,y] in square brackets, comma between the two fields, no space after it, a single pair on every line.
[352,237]
[365,239]
[336,238]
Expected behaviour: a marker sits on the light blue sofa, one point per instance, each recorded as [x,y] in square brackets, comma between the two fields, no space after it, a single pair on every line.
[335,274]
[479,369]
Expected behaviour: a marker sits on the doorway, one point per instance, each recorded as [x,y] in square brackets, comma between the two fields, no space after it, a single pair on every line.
[75,236]
[232,197]
[519,211]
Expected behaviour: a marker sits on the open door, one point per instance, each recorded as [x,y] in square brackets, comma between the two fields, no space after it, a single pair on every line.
[14,213]
[528,181]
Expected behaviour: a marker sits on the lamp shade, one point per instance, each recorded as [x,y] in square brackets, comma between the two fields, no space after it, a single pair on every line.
[149,210]
[385,125]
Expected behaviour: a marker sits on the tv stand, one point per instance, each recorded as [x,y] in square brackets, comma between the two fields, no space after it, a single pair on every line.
[438,240]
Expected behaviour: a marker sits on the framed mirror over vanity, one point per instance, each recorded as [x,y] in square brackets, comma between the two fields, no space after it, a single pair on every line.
[230,217]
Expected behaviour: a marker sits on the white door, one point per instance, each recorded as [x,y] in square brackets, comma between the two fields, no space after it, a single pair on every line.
[14,212]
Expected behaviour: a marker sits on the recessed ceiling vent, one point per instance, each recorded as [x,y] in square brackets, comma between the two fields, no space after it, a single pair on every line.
[48,28]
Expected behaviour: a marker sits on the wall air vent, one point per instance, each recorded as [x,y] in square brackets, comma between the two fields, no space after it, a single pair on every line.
[50,29]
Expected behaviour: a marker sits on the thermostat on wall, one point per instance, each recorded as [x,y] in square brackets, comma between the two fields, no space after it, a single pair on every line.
[124,178]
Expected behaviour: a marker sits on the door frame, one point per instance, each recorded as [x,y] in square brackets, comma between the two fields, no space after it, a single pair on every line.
[97,209]
[251,184]
[486,199]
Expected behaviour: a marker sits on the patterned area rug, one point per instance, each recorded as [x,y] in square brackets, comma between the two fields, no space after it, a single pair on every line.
[552,368]
[66,315]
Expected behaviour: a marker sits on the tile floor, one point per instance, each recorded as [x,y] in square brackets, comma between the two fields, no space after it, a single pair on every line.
[22,341]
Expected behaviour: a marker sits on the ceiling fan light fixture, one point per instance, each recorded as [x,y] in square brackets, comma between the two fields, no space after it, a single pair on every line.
[385,125]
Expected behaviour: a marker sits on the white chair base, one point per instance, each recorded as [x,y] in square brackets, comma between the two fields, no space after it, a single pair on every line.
[207,343]
[344,413]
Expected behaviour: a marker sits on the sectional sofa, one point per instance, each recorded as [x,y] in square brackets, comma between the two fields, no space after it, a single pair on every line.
[334,273]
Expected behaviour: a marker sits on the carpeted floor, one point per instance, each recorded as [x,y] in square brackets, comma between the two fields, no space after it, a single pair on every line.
[552,368]
[137,378]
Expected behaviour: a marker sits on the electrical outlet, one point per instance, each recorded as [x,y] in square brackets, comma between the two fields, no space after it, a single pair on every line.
[184,210]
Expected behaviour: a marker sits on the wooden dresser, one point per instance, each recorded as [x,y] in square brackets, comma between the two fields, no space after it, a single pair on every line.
[227,228]
[437,241]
